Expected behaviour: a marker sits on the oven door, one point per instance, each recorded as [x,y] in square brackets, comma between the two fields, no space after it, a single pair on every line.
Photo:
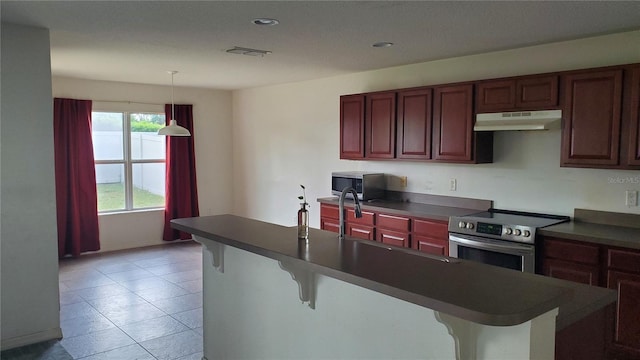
[501,253]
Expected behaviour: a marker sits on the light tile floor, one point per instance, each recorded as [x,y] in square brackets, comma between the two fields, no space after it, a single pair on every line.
[137,304]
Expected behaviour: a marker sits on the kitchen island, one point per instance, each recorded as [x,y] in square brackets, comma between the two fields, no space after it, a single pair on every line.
[368,300]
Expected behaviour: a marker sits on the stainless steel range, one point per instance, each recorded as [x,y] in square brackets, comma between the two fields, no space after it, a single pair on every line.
[499,237]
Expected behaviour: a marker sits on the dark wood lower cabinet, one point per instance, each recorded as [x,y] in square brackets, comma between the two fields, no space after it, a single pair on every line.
[587,338]
[615,268]
[430,236]
[626,338]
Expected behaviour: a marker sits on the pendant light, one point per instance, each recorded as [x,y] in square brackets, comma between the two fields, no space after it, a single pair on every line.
[173,129]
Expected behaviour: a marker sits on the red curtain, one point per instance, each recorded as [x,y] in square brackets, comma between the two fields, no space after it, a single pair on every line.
[180,190]
[76,194]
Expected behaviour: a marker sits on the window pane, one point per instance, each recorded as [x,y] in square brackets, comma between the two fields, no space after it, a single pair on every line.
[106,130]
[110,181]
[148,185]
[146,144]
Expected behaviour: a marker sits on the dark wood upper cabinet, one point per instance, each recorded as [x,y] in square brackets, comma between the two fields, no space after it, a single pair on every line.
[495,96]
[414,124]
[352,127]
[514,94]
[380,128]
[634,119]
[591,114]
[453,123]
[537,93]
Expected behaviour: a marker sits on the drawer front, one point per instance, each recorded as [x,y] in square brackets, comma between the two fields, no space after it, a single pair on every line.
[431,228]
[393,237]
[329,211]
[430,245]
[568,251]
[329,224]
[366,219]
[580,273]
[393,222]
[624,260]
[361,231]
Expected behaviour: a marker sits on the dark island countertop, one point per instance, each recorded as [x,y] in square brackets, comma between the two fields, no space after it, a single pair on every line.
[480,293]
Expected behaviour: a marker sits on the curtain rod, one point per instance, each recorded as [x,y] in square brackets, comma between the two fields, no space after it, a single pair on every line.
[127,102]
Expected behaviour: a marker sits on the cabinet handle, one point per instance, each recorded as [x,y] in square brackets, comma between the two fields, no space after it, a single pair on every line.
[392,237]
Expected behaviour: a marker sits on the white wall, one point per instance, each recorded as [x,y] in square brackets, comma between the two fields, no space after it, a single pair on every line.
[212,132]
[287,135]
[29,270]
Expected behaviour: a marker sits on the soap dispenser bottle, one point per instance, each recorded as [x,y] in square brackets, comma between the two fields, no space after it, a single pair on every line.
[303,222]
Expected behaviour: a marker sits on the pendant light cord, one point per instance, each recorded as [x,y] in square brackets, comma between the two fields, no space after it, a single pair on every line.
[173,114]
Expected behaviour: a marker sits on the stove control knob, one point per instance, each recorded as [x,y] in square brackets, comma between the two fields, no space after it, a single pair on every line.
[462,224]
[527,233]
[470,226]
[509,231]
[517,232]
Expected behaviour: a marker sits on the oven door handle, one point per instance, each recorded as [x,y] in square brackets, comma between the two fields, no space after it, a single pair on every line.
[491,246]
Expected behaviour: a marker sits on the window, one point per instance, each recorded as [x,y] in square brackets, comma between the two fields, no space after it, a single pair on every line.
[130,160]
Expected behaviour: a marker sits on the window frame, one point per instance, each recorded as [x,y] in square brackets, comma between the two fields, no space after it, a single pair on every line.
[128,162]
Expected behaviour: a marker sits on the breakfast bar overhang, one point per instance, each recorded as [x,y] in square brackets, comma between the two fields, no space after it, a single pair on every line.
[269,295]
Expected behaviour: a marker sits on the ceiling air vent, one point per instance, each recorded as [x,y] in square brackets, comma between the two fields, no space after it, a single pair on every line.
[249,52]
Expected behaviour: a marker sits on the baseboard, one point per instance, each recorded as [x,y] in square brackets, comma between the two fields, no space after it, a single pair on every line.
[51,334]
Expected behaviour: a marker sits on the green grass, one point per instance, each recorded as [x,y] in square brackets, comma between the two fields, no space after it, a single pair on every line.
[111,197]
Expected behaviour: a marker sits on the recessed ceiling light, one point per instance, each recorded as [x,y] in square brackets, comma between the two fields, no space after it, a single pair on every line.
[265,21]
[382,44]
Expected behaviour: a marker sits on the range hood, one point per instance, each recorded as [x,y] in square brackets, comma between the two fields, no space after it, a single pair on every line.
[521,120]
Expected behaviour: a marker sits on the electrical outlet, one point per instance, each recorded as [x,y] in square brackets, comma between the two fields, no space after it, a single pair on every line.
[403,181]
[631,198]
[453,184]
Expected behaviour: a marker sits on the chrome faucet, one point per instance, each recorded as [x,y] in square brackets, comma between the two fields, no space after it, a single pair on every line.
[357,209]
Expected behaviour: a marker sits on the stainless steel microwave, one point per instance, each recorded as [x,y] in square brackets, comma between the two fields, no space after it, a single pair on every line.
[367,185]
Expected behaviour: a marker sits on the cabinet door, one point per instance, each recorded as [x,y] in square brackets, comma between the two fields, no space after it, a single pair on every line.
[581,273]
[414,124]
[380,142]
[430,245]
[495,96]
[453,123]
[634,125]
[352,127]
[537,93]
[391,237]
[591,114]
[361,231]
[627,328]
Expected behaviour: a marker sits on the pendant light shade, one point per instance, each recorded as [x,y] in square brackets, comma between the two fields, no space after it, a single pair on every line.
[173,129]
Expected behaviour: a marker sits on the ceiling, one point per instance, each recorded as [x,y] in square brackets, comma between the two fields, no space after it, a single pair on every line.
[139,41]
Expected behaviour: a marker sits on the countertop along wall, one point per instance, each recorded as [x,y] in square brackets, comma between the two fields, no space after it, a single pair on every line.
[212,131]
[286,135]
